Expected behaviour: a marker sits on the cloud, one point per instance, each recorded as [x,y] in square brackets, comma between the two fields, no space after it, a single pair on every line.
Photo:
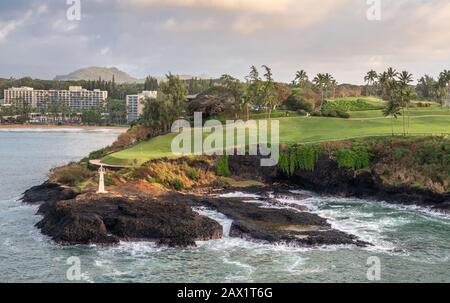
[225,36]
[64,25]
[266,6]
[250,15]
[105,51]
[189,25]
[429,29]
[7,28]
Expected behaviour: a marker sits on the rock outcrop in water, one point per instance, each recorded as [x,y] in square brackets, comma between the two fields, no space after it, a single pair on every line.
[278,225]
[132,214]
[48,192]
[94,219]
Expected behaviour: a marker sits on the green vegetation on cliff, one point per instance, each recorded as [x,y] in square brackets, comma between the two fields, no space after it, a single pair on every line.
[420,162]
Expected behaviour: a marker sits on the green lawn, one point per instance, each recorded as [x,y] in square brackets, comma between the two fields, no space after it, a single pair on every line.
[414,112]
[306,130]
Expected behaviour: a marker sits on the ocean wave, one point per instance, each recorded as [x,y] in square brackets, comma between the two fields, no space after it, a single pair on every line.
[239,194]
[356,217]
[422,210]
[216,216]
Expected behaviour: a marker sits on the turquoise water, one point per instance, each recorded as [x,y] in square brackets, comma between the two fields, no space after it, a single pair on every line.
[412,244]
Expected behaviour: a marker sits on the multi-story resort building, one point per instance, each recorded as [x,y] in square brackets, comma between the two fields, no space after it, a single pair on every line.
[135,104]
[76,98]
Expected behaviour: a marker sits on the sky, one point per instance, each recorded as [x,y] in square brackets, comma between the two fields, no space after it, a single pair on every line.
[152,37]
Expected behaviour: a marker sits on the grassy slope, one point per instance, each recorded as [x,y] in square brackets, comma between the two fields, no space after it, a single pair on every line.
[304,130]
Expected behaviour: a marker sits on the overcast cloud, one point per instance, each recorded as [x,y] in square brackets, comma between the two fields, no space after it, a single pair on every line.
[224,36]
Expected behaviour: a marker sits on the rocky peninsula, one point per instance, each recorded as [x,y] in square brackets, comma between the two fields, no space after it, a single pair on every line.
[157,201]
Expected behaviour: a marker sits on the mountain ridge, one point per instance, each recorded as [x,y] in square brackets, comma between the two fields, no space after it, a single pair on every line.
[95,72]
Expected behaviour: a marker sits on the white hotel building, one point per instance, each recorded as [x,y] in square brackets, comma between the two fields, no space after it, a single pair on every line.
[135,104]
[75,98]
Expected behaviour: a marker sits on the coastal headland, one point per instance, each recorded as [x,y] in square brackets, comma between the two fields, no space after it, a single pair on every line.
[162,200]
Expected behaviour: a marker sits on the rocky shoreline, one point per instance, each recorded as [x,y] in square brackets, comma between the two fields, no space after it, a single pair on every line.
[139,210]
[167,218]
[328,179]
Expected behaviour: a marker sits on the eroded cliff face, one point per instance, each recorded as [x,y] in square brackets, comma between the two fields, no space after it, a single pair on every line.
[397,170]
[328,178]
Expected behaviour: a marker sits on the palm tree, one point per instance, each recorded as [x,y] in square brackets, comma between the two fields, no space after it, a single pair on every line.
[371,78]
[383,81]
[328,83]
[444,78]
[392,109]
[441,87]
[320,83]
[392,73]
[301,77]
[334,84]
[405,78]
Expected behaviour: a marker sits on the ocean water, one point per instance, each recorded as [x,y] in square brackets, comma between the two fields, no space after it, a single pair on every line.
[412,244]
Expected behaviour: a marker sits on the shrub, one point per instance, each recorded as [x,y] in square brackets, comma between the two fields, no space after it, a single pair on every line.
[399,153]
[302,112]
[355,158]
[346,105]
[296,103]
[299,157]
[101,153]
[334,113]
[109,180]
[71,175]
[222,167]
[177,184]
[192,173]
[135,134]
[343,115]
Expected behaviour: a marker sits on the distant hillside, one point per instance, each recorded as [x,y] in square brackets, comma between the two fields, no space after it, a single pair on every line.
[94,73]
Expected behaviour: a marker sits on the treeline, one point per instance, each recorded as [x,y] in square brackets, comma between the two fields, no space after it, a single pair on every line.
[397,89]
[428,88]
[115,90]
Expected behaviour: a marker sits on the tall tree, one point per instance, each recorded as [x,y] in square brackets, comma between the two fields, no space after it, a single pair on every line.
[426,87]
[253,94]
[235,87]
[404,91]
[301,78]
[269,93]
[151,84]
[371,79]
[176,92]
[392,109]
[323,82]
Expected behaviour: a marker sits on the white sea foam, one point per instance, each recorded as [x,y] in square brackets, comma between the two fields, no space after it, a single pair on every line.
[239,194]
[216,216]
[134,249]
[349,215]
[425,211]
